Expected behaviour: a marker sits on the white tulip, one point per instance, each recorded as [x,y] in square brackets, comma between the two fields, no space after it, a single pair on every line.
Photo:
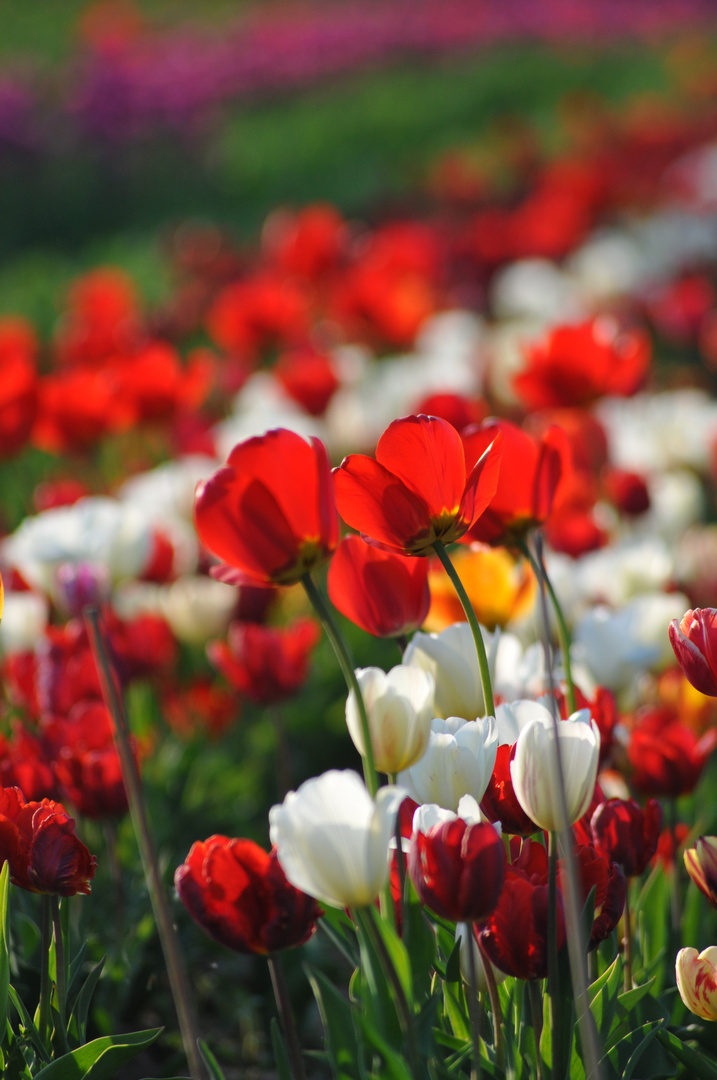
[534,769]
[399,705]
[332,839]
[198,608]
[24,619]
[458,761]
[450,657]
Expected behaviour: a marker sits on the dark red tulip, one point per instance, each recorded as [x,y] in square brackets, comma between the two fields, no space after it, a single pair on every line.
[238,894]
[666,757]
[38,840]
[515,936]
[86,762]
[386,595]
[499,802]
[266,663]
[458,869]
[625,833]
[419,488]
[269,512]
[530,473]
[608,880]
[694,641]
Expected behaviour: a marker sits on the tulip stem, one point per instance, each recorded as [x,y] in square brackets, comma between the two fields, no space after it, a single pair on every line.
[627,939]
[494,1003]
[538,565]
[473,1003]
[553,977]
[176,971]
[536,1018]
[577,946]
[60,969]
[45,939]
[283,1004]
[401,865]
[365,917]
[346,664]
[474,625]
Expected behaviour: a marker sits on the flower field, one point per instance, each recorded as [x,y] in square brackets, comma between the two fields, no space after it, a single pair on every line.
[358,539]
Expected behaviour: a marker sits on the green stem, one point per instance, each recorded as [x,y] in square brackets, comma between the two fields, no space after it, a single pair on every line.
[365,917]
[347,667]
[553,978]
[536,1018]
[627,939]
[43,1022]
[60,969]
[563,632]
[494,1003]
[283,1004]
[176,971]
[474,625]
[473,1002]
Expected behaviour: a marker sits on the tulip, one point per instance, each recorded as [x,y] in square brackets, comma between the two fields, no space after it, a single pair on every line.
[458,761]
[464,934]
[701,864]
[694,640]
[457,867]
[665,755]
[450,657]
[697,981]
[387,595]
[626,834]
[240,896]
[596,871]
[332,839]
[38,840]
[499,802]
[421,487]
[530,475]
[269,513]
[266,664]
[400,709]
[535,774]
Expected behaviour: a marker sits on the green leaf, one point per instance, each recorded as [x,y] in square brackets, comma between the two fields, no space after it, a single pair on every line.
[75,975]
[398,953]
[631,998]
[453,965]
[697,1065]
[210,1061]
[4,957]
[99,1059]
[337,1016]
[420,942]
[395,1065]
[84,998]
[28,1026]
[653,915]
[603,997]
[281,1058]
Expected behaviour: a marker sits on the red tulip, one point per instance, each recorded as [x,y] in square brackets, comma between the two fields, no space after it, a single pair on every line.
[420,487]
[458,869]
[598,872]
[515,935]
[694,641]
[38,840]
[667,758]
[530,474]
[499,802]
[576,365]
[386,595]
[270,512]
[86,762]
[266,663]
[626,834]
[240,896]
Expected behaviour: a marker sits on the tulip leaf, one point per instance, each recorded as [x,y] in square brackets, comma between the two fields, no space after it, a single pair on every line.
[395,1065]
[697,1065]
[453,964]
[603,997]
[281,1058]
[337,1016]
[631,998]
[75,972]
[213,1066]
[99,1059]
[420,941]
[652,925]
[84,999]
[28,1026]
[4,957]
[398,955]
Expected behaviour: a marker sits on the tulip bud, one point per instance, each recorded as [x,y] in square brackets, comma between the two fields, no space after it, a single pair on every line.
[697,981]
[626,834]
[694,641]
[400,709]
[534,769]
[458,761]
[332,839]
[701,864]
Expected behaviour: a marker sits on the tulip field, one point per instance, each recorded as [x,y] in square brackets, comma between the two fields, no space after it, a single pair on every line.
[358,541]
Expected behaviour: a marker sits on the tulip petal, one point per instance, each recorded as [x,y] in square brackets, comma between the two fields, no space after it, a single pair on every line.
[426,454]
[372,500]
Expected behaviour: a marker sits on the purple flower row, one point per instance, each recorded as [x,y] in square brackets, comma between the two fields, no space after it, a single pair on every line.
[181,78]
